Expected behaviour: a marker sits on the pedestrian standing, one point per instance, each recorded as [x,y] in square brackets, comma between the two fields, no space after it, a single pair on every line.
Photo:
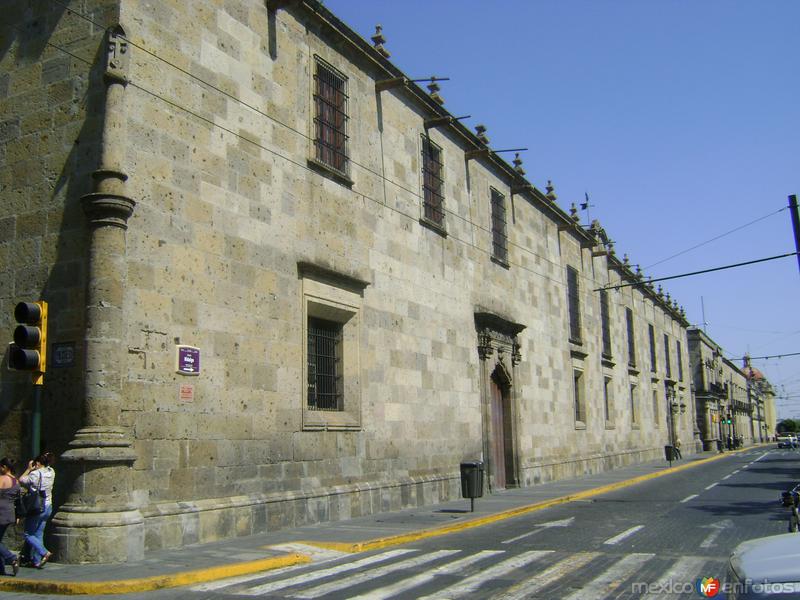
[9,491]
[38,478]
[678,448]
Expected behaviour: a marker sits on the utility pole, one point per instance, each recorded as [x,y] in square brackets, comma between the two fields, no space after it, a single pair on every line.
[795,225]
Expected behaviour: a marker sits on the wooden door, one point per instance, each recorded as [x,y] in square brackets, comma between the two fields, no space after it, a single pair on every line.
[498,441]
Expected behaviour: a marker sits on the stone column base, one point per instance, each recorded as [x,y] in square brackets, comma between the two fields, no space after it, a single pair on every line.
[97,537]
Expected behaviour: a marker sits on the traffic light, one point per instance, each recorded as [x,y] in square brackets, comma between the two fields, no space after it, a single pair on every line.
[29,350]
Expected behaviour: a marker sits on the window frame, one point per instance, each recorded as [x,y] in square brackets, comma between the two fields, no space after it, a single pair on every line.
[629,325]
[651,331]
[605,324]
[325,300]
[667,362]
[331,119]
[579,398]
[574,305]
[499,220]
[433,200]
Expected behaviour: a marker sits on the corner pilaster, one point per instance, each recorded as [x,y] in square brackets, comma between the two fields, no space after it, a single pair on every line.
[99,523]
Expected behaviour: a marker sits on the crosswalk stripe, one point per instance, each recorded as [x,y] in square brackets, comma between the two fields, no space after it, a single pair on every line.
[601,586]
[551,574]
[321,574]
[685,569]
[618,538]
[412,582]
[357,578]
[471,584]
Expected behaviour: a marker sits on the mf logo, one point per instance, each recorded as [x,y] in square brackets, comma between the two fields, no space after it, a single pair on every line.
[708,586]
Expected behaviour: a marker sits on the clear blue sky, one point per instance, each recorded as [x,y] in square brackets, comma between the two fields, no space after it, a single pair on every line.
[680,118]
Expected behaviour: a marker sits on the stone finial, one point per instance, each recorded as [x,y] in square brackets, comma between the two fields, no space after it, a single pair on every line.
[683,312]
[480,131]
[669,298]
[638,272]
[573,211]
[611,250]
[434,88]
[378,41]
[551,195]
[625,260]
[518,165]
[660,291]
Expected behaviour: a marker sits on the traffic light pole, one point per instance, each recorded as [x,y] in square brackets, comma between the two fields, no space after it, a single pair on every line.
[795,225]
[36,421]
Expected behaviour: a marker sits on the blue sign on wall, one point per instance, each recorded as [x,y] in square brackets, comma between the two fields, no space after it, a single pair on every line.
[188,360]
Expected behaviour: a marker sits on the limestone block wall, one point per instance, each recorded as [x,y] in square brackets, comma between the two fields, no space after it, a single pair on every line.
[237,236]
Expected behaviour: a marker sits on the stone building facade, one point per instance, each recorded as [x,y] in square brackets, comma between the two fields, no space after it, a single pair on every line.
[287,286]
[732,403]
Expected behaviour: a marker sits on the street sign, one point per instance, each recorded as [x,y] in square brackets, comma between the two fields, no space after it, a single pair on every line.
[187,360]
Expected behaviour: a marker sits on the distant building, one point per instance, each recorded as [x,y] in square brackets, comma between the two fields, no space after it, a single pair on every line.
[732,403]
[286,285]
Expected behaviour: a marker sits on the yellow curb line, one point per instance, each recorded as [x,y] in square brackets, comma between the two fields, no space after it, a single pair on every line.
[405,538]
[148,584]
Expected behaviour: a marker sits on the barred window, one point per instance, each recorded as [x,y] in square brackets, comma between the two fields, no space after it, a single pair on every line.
[652,333]
[607,398]
[432,182]
[324,364]
[656,412]
[330,119]
[605,323]
[499,237]
[574,304]
[680,359]
[667,364]
[631,338]
[580,401]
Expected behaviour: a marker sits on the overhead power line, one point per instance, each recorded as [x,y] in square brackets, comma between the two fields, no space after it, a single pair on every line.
[722,235]
[742,264]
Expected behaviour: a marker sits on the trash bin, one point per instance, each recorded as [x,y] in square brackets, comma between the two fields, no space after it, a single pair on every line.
[669,452]
[472,479]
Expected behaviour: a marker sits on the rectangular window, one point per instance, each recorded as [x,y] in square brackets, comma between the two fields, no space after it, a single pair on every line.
[330,118]
[679,356]
[607,398]
[631,338]
[652,333]
[432,182]
[580,403]
[605,323]
[667,364]
[499,236]
[656,414]
[324,364]
[634,411]
[574,305]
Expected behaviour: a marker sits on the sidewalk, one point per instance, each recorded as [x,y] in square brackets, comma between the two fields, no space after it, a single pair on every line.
[240,556]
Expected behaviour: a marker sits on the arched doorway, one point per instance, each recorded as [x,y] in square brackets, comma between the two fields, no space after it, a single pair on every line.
[501,435]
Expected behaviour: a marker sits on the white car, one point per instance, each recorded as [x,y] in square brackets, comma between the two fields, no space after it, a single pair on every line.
[765,568]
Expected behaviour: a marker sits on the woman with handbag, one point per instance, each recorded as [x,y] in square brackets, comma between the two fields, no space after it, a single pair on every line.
[38,478]
[9,491]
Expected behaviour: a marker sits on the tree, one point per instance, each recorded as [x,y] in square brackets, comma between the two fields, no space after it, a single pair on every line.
[788,425]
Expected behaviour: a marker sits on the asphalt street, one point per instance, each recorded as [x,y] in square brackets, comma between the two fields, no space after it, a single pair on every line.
[656,538]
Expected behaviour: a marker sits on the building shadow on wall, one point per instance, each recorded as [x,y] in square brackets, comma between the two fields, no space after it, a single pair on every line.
[53,229]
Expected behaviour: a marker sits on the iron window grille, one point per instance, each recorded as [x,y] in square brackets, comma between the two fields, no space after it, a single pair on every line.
[605,323]
[631,338]
[574,302]
[652,333]
[499,235]
[580,406]
[324,365]
[667,364]
[606,398]
[330,119]
[432,182]
[680,359]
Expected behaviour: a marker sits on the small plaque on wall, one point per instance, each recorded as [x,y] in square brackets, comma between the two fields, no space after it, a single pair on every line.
[186,392]
[187,360]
